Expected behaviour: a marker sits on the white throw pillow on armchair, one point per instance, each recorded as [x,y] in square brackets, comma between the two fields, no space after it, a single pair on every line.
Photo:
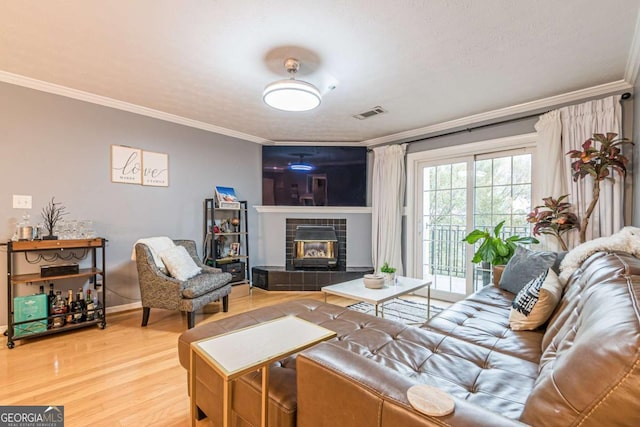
[179,263]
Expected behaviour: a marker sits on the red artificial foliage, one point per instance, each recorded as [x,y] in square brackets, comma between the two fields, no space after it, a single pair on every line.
[553,218]
[598,162]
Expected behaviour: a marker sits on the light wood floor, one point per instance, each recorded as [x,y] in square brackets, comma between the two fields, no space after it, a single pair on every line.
[124,375]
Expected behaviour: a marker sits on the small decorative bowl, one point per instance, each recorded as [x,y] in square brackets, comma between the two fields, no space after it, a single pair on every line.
[373,281]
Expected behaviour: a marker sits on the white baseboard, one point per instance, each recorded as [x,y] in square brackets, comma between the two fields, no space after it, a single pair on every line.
[124,307]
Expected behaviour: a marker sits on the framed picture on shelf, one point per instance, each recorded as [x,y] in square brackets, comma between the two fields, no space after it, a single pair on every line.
[226,198]
[234,249]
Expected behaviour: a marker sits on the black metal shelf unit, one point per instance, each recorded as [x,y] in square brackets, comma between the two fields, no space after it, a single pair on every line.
[226,240]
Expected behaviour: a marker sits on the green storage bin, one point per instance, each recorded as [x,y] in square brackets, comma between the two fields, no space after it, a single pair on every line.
[31,307]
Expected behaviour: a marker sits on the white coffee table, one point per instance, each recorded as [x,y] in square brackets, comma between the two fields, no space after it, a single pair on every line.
[355,289]
[239,352]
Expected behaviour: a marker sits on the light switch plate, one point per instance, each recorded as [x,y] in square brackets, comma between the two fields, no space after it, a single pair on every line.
[21,202]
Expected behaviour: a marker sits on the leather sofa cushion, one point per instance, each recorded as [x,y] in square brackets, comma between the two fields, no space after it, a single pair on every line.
[483,319]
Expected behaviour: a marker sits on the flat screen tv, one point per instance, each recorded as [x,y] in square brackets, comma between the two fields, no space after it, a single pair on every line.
[314,176]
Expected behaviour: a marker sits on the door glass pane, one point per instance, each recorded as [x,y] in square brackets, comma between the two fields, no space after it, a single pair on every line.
[502,171]
[506,196]
[459,175]
[521,199]
[444,219]
[522,169]
[483,172]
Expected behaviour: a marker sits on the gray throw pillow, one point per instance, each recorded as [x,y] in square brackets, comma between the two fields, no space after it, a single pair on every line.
[523,267]
[556,265]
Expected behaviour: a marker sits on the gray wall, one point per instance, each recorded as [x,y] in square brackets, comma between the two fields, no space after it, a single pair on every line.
[56,146]
[491,132]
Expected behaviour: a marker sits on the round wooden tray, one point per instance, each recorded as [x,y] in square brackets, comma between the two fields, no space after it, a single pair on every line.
[430,400]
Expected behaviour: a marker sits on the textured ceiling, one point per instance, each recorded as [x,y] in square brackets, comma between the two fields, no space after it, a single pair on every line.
[426,62]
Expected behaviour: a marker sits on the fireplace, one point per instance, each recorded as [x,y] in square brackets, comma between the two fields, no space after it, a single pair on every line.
[339,226]
[291,278]
[315,247]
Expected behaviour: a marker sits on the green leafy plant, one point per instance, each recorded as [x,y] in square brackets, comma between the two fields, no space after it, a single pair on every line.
[386,269]
[598,162]
[553,218]
[495,249]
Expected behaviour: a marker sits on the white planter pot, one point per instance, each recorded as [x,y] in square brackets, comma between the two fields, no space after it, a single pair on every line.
[389,277]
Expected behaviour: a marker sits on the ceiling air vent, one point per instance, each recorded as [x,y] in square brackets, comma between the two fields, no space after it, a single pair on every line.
[372,112]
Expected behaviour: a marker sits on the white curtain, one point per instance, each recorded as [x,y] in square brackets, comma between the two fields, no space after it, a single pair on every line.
[579,123]
[548,167]
[389,180]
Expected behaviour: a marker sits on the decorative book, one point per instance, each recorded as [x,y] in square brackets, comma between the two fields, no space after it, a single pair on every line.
[226,197]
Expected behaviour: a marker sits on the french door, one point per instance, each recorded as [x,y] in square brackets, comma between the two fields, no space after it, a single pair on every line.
[445,218]
[455,195]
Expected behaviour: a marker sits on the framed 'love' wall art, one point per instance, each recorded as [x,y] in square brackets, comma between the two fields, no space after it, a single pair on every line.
[131,165]
[155,169]
[126,164]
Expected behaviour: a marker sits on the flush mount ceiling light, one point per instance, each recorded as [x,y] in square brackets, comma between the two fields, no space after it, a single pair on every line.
[301,166]
[291,94]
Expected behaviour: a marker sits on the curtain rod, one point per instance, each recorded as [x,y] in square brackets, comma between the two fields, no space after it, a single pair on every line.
[624,96]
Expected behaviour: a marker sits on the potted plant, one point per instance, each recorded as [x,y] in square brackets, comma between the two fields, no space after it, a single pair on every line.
[389,273]
[554,219]
[597,162]
[495,250]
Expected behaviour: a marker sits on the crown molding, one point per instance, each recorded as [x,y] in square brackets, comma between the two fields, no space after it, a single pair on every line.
[43,86]
[631,74]
[633,63]
[318,143]
[527,107]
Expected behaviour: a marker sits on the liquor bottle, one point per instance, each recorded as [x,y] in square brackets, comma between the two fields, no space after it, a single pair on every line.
[59,307]
[52,295]
[79,315]
[97,307]
[90,306]
[41,289]
[71,307]
[51,300]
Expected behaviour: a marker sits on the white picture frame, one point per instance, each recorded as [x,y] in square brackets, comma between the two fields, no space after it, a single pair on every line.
[155,169]
[126,164]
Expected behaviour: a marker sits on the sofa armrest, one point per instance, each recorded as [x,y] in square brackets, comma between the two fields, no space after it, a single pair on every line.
[338,387]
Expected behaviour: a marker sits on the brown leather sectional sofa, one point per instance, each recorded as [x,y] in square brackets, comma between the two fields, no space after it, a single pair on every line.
[582,369]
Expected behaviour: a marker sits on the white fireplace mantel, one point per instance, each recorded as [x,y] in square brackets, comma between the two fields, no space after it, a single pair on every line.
[315,209]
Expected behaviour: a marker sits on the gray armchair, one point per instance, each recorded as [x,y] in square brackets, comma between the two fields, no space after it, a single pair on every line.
[158,290]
